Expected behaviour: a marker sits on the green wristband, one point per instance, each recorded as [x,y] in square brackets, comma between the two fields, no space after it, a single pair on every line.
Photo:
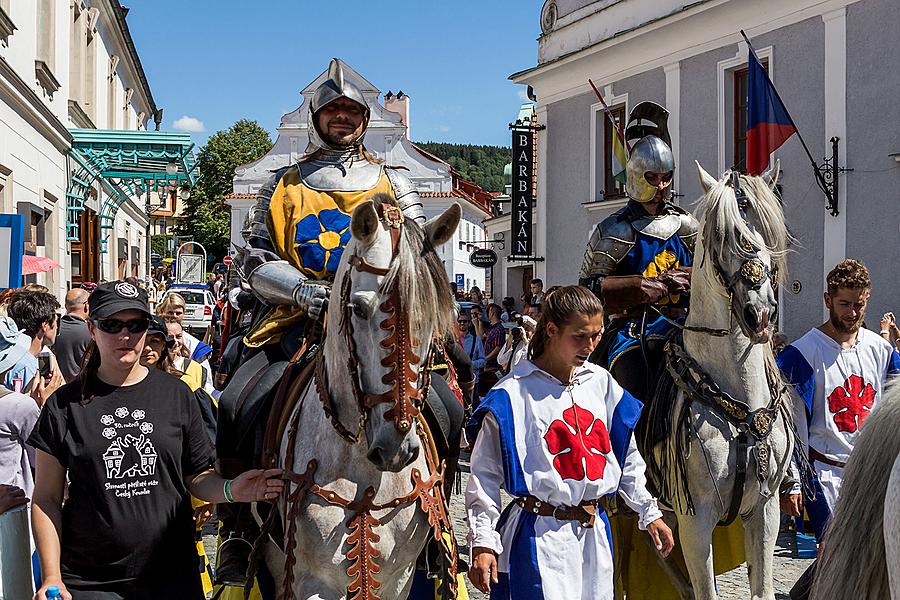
[227,491]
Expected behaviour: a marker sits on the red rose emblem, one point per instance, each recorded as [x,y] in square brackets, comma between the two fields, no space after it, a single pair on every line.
[579,442]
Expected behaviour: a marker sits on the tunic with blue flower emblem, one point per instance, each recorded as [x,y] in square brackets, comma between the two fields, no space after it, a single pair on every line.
[309,228]
[564,445]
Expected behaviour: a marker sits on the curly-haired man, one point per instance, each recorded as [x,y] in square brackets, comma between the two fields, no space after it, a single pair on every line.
[839,370]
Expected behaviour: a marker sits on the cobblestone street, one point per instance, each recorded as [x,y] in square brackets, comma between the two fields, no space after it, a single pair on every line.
[732,585]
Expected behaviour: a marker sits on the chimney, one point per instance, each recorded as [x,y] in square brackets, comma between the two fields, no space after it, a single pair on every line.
[398,104]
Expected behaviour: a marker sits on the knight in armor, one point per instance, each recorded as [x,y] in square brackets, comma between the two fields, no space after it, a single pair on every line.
[298,229]
[638,260]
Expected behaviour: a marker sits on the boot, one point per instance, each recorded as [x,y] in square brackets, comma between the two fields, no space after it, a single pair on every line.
[232,561]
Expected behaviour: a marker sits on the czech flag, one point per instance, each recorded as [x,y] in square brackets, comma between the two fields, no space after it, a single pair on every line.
[768,123]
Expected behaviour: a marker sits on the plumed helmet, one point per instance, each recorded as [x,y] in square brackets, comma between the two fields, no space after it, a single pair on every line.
[333,88]
[651,152]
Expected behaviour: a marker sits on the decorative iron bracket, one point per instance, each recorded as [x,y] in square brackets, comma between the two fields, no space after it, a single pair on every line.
[827,177]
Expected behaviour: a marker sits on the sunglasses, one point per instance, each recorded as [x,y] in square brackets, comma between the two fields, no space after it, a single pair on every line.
[115,325]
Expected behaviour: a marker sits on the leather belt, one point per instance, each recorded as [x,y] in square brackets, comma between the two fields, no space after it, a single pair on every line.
[819,457]
[585,513]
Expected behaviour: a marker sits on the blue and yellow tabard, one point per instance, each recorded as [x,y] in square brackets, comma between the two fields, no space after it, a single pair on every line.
[650,257]
[308,228]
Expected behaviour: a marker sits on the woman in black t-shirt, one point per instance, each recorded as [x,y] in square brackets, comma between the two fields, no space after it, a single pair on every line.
[134,447]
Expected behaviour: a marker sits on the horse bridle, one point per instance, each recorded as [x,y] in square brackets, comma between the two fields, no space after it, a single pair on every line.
[405,393]
[753,272]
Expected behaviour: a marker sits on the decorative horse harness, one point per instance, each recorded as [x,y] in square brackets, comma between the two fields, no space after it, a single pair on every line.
[407,396]
[697,384]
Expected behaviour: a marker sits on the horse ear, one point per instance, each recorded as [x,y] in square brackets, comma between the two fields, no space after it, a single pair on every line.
[706,180]
[364,222]
[441,228]
[771,176]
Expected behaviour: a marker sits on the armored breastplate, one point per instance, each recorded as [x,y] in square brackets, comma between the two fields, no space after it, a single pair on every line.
[661,227]
[340,171]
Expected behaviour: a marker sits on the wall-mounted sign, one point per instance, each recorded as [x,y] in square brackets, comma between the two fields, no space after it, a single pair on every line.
[12,248]
[522,192]
[484,258]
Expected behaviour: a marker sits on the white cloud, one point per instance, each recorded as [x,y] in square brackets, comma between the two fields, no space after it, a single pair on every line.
[186,123]
[443,128]
[523,95]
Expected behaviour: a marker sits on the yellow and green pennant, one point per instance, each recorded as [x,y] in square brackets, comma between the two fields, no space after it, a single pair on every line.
[619,156]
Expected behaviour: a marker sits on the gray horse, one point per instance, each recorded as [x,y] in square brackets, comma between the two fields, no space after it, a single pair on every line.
[740,255]
[365,524]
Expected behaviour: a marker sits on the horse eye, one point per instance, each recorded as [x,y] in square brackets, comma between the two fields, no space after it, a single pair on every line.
[358,310]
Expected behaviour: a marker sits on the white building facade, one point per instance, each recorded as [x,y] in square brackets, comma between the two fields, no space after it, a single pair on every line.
[68,64]
[829,60]
[387,137]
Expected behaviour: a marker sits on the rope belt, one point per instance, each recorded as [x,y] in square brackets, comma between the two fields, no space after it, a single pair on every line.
[585,513]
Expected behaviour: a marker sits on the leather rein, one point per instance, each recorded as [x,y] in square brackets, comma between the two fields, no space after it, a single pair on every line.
[753,426]
[406,397]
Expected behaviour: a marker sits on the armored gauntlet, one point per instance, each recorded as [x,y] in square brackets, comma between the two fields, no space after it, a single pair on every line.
[279,282]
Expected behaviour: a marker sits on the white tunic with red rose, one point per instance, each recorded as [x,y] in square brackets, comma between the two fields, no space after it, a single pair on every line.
[565,445]
[838,388]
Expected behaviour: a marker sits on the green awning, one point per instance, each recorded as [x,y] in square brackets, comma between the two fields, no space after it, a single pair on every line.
[125,164]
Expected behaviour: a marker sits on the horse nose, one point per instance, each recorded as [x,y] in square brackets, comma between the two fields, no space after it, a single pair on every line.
[376,456]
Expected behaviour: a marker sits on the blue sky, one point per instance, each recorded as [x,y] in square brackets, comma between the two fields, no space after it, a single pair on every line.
[219,61]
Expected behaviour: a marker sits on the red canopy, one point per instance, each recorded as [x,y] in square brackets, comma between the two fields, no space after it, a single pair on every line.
[37,264]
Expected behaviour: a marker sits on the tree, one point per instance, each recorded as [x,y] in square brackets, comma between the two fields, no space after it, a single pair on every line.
[482,165]
[206,216]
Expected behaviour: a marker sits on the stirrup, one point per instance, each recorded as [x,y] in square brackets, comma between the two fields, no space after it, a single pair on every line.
[236,551]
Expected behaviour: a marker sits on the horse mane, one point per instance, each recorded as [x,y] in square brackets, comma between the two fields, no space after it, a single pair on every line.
[418,271]
[852,558]
[725,230]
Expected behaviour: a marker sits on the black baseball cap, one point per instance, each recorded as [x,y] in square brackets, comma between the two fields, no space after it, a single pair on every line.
[115,296]
[158,327]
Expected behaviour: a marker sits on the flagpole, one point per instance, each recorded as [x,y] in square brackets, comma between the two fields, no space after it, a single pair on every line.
[777,95]
[609,114]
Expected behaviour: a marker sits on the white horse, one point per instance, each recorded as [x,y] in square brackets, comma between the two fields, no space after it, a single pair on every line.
[730,369]
[363,485]
[855,559]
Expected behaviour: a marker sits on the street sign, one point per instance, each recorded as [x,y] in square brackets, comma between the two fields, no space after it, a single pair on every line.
[460,280]
[483,257]
[190,268]
[227,260]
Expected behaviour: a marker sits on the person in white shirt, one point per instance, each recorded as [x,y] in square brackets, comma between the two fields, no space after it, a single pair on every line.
[171,308]
[557,435]
[840,370]
[516,347]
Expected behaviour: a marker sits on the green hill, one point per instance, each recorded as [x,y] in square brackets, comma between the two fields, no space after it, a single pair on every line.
[482,165]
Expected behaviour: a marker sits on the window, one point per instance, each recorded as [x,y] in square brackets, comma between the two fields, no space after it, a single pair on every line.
[603,185]
[46,47]
[740,92]
[611,187]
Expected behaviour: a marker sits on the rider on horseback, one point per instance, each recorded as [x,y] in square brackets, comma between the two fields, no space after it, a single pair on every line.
[298,230]
[638,260]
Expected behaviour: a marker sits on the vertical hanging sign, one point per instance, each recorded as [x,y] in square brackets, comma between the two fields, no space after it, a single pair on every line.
[522,192]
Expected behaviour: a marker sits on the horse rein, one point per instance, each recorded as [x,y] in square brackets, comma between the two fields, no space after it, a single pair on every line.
[405,393]
[406,396]
[753,272]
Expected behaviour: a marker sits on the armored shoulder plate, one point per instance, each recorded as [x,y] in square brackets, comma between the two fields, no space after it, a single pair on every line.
[688,230]
[259,231]
[608,244]
[661,227]
[407,198]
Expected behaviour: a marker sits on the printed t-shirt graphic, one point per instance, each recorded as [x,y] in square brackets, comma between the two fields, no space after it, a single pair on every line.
[127,451]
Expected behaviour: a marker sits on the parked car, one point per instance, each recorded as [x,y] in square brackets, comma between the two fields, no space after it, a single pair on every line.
[199,306]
